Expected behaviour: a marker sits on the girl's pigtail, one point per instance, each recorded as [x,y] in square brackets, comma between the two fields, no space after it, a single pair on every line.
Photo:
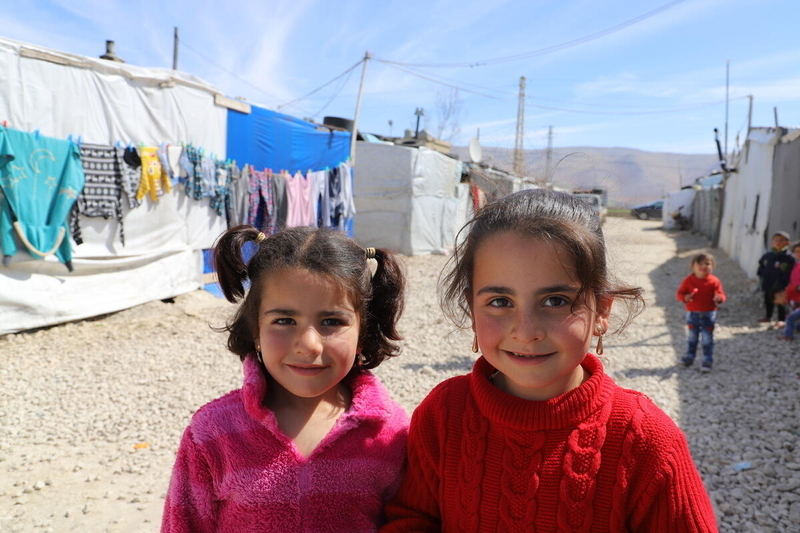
[384,310]
[228,262]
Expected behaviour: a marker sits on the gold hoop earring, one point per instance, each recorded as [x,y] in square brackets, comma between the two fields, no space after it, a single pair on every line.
[475,347]
[600,345]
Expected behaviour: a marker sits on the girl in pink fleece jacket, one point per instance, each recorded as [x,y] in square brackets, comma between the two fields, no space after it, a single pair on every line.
[312,441]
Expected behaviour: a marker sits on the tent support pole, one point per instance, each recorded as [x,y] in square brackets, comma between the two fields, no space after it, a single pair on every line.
[354,133]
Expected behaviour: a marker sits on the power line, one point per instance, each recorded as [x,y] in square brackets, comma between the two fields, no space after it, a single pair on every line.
[335,94]
[390,64]
[651,112]
[226,70]
[548,49]
[320,87]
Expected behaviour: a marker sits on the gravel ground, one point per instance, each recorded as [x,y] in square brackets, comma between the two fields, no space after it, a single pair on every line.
[91,412]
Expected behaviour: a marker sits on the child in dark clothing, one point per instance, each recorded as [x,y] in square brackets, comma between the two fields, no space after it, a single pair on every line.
[701,292]
[774,269]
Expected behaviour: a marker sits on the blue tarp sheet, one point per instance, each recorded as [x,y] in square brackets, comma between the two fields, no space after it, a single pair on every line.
[267,139]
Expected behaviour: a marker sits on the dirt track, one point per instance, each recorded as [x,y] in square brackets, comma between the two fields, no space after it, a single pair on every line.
[91,412]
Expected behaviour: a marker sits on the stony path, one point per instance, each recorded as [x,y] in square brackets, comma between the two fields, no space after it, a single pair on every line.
[91,412]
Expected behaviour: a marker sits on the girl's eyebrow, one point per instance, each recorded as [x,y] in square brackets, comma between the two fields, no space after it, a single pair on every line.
[293,312]
[544,290]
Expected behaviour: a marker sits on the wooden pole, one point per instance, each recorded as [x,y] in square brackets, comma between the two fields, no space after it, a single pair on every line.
[175,51]
[354,133]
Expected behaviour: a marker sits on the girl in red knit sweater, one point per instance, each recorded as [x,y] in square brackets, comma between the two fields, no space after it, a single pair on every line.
[701,292]
[312,442]
[538,437]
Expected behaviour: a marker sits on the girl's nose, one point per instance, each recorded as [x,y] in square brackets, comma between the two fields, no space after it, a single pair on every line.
[527,328]
[309,342]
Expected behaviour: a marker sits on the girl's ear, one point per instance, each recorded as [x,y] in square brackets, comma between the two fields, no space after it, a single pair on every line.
[603,312]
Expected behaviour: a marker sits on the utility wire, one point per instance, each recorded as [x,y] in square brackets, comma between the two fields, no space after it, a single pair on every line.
[395,66]
[652,112]
[321,86]
[184,43]
[335,94]
[548,49]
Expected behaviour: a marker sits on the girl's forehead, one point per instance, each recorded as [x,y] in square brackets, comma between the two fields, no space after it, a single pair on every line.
[515,253]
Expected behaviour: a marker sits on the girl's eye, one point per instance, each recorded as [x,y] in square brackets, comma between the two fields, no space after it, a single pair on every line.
[332,322]
[500,302]
[555,301]
[284,321]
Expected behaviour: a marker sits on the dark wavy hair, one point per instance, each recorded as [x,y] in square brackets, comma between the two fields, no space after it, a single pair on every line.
[552,216]
[378,299]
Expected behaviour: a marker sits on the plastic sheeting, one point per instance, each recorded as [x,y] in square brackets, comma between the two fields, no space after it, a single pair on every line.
[682,200]
[784,213]
[268,139]
[747,200]
[408,199]
[103,102]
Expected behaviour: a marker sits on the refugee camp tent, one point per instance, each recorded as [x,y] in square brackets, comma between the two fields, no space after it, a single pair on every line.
[678,201]
[106,102]
[748,192]
[268,139]
[408,199]
[784,213]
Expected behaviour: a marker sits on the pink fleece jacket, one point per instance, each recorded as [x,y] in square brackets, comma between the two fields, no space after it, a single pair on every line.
[237,472]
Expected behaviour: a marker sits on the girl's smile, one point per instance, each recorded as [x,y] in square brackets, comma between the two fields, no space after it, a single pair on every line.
[530,321]
[308,333]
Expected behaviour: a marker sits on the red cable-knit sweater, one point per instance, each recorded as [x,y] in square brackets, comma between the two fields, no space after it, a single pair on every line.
[599,458]
[703,299]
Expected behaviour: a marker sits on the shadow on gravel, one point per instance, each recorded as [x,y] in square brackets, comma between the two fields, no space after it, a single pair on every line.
[739,418]
[461,363]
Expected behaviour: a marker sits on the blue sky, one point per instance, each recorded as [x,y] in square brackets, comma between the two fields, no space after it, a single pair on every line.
[657,83]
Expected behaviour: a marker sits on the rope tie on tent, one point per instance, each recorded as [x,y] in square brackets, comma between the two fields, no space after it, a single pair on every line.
[32,248]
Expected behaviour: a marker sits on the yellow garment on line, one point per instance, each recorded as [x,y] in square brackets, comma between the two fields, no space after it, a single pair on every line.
[155,180]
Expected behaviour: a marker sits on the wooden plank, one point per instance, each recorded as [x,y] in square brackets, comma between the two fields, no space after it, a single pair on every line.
[230,103]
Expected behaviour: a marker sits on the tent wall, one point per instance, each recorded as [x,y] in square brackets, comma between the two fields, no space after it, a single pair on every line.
[683,200]
[103,102]
[784,213]
[267,139]
[408,199]
[747,200]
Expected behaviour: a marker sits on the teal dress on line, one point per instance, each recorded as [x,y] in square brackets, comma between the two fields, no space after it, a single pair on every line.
[40,180]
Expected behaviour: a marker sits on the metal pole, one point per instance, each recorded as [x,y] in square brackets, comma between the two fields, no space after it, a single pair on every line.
[175,51]
[727,85]
[354,133]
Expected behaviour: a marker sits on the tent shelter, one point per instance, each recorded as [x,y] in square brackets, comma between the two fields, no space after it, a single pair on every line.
[408,199]
[268,139]
[106,102]
[748,191]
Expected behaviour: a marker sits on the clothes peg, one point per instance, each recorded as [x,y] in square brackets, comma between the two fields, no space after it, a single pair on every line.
[36,134]
[5,123]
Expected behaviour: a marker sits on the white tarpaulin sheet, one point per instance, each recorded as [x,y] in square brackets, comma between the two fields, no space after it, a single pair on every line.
[104,102]
[682,200]
[747,198]
[408,199]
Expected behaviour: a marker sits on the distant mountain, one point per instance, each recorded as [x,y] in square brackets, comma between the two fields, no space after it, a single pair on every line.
[630,176]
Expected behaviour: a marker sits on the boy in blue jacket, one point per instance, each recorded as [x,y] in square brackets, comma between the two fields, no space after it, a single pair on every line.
[774,269]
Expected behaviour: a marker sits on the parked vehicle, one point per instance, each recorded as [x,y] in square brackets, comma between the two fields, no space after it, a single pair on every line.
[648,211]
[596,201]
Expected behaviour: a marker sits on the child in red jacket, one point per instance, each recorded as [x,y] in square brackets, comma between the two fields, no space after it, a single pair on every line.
[701,292]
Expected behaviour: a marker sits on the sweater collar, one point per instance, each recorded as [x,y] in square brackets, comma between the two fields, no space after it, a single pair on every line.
[566,410]
[370,401]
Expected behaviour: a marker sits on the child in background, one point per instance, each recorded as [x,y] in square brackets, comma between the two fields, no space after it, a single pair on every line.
[701,292]
[774,269]
[312,440]
[793,297]
[538,437]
